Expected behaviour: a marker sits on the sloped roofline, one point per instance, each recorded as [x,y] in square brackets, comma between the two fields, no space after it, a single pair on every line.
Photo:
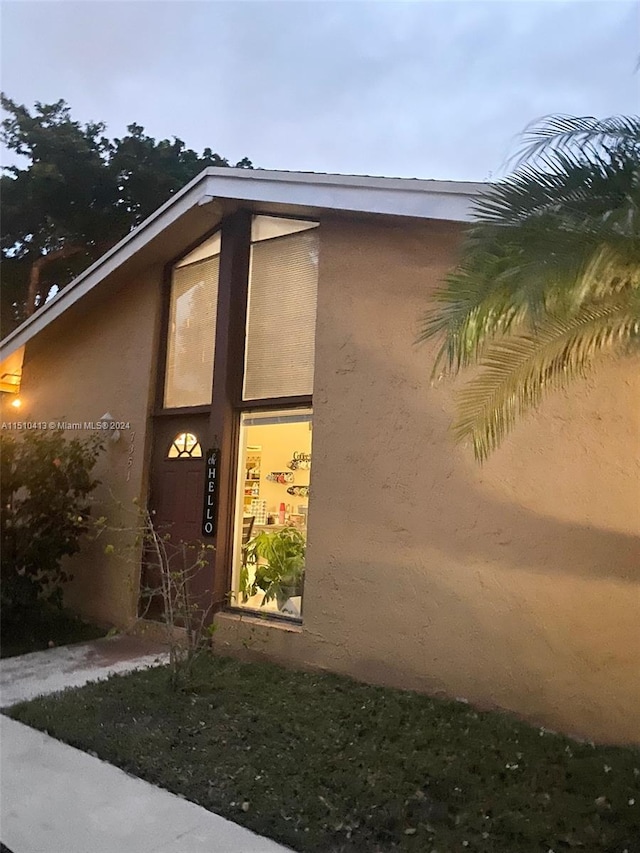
[413,197]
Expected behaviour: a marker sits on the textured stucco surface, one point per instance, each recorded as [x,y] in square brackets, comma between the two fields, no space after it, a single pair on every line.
[90,362]
[516,584]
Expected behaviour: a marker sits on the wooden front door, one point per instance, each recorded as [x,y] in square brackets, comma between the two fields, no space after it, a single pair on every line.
[176,502]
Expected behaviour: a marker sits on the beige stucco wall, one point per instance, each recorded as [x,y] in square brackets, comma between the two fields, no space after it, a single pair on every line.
[516,584]
[100,358]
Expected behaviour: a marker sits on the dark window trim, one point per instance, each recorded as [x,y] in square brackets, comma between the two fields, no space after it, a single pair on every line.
[288,234]
[160,408]
[298,402]
[239,406]
[224,423]
[265,405]
[227,404]
[185,410]
[194,263]
[164,336]
[190,248]
[241,402]
[292,216]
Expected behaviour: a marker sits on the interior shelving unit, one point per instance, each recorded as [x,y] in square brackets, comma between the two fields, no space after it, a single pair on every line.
[252,479]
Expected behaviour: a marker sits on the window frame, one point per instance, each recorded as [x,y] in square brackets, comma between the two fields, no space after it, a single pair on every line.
[315,223]
[165,318]
[236,330]
[185,454]
[227,403]
[238,609]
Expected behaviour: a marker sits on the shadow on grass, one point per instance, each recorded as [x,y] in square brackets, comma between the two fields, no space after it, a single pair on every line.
[324,764]
[42,629]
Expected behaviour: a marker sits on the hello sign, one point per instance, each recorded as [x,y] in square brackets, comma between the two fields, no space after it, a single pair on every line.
[210,509]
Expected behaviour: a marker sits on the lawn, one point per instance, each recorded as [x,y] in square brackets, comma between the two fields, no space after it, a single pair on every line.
[43,628]
[327,765]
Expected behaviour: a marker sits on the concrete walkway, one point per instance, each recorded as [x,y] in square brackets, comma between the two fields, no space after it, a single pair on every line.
[40,673]
[57,799]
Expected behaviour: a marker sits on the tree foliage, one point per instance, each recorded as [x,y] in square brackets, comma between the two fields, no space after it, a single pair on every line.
[79,193]
[549,279]
[45,486]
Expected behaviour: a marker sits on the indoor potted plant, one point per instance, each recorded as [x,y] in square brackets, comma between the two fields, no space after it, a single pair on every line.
[278,558]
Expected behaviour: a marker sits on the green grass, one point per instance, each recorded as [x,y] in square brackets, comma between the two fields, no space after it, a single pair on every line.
[328,765]
[44,627]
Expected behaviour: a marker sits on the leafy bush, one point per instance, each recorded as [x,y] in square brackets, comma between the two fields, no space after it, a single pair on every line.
[45,483]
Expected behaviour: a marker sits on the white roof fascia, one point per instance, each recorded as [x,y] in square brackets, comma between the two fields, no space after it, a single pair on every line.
[446,200]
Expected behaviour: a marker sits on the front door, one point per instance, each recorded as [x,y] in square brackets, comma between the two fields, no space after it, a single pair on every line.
[176,503]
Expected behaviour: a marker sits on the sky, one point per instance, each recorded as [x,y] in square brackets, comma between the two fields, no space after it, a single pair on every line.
[427,89]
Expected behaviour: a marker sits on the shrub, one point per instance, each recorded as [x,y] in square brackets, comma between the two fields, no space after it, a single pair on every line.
[45,483]
[169,590]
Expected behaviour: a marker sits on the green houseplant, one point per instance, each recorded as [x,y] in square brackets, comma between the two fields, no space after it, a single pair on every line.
[278,558]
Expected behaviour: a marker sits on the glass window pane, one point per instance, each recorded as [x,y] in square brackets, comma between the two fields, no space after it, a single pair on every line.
[185,446]
[271,511]
[281,317]
[192,328]
[268,227]
[208,249]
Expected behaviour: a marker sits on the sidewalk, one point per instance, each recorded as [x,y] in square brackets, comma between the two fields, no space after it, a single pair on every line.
[39,673]
[57,799]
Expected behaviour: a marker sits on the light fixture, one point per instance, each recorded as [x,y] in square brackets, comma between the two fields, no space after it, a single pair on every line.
[113,434]
[16,403]
[10,383]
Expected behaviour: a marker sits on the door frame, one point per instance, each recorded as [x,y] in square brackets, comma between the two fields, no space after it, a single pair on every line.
[165,430]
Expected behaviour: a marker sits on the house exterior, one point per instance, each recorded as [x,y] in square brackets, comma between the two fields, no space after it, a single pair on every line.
[258,331]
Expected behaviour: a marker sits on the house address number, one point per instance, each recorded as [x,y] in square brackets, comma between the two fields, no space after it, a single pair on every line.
[210,510]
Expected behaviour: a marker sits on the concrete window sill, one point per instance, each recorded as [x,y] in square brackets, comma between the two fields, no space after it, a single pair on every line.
[230,617]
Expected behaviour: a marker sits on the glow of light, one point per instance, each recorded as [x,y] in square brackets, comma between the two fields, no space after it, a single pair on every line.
[16,403]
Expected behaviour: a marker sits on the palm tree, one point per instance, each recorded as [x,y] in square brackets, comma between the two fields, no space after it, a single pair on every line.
[548,283]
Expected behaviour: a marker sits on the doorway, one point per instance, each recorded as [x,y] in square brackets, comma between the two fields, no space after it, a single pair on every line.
[176,503]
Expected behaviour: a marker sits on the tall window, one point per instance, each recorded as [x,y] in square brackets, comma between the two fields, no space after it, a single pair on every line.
[274,464]
[281,317]
[274,475]
[192,327]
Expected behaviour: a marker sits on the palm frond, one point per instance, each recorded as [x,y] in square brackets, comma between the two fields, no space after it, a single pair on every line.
[576,190]
[566,133]
[533,250]
[507,282]
[549,276]
[612,270]
[521,369]
[467,330]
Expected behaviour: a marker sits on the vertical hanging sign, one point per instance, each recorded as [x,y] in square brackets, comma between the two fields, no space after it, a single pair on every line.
[210,509]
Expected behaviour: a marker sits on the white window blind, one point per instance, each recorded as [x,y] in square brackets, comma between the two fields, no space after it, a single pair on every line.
[192,331]
[281,317]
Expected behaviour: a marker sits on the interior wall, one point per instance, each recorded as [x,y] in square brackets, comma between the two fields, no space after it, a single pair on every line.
[515,584]
[92,361]
[278,442]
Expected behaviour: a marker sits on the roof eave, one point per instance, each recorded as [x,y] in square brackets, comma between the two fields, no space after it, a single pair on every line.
[445,200]
[171,211]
